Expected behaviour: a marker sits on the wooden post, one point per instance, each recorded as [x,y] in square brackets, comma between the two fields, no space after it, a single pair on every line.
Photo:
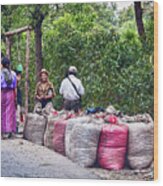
[9,37]
[8,47]
[27,72]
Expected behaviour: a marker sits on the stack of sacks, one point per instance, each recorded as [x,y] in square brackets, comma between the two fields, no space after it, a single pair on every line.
[59,136]
[140,145]
[71,123]
[49,132]
[112,146]
[53,117]
[140,141]
[48,136]
[34,128]
[83,142]
[145,118]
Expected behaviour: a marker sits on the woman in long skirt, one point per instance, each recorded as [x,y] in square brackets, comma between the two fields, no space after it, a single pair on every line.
[8,100]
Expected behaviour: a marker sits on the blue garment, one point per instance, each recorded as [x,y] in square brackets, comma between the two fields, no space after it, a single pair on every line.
[19,96]
[94,110]
[44,102]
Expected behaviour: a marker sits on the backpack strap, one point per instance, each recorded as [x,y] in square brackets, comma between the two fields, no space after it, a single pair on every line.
[74,87]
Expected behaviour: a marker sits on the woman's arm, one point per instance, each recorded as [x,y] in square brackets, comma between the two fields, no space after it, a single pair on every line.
[39,97]
[51,93]
[49,96]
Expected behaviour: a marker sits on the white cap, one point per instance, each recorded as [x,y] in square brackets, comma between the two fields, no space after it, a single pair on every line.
[72,69]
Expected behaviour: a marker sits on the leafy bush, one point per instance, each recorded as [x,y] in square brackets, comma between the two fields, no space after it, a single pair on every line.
[115,65]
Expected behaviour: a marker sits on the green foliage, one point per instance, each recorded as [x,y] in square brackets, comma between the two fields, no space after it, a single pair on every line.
[115,66]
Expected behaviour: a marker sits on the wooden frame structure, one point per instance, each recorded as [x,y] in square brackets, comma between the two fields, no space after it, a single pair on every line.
[9,36]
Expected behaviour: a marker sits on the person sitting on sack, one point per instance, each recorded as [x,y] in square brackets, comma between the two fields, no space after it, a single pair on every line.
[72,89]
[44,93]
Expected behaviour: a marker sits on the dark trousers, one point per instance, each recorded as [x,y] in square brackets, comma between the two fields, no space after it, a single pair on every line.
[44,102]
[72,105]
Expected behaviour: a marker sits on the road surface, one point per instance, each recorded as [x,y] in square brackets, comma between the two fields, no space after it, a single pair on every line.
[20,158]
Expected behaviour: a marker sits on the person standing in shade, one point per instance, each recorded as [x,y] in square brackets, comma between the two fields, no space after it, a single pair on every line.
[19,114]
[8,100]
[72,90]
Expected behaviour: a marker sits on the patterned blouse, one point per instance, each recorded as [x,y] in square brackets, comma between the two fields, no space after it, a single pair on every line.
[44,89]
[11,76]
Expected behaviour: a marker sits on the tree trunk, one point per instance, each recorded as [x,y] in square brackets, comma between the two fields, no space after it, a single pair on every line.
[139,21]
[38,49]
[38,16]
[26,70]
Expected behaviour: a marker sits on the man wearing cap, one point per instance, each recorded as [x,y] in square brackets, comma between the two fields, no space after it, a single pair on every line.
[72,89]
[44,93]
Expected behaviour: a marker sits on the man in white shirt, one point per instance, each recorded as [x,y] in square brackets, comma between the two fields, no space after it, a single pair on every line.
[72,89]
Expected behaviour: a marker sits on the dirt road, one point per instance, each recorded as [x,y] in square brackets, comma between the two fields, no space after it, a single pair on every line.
[21,158]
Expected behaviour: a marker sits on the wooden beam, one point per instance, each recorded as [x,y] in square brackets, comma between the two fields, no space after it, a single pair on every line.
[18,31]
[27,71]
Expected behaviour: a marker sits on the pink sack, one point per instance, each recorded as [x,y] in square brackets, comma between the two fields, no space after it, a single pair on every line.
[59,136]
[112,158]
[112,146]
